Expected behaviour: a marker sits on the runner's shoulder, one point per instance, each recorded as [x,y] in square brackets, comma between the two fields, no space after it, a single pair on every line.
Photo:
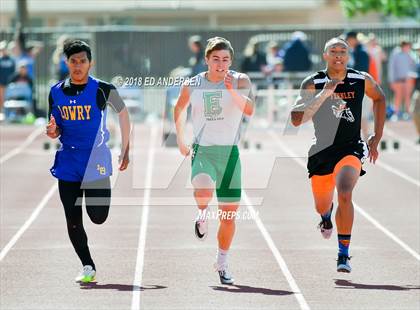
[58,85]
[308,82]
[105,86]
[243,79]
[319,77]
[193,82]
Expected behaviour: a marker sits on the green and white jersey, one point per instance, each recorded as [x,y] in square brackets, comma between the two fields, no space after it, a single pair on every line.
[216,119]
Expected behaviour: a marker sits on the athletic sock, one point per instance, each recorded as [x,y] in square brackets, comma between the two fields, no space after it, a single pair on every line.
[222,257]
[327,215]
[343,244]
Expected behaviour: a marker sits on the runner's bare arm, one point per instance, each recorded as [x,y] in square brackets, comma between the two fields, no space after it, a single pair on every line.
[52,129]
[309,100]
[374,91]
[243,98]
[180,117]
[124,120]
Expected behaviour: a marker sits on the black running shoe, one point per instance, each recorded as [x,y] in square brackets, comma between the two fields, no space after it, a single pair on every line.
[343,264]
[326,226]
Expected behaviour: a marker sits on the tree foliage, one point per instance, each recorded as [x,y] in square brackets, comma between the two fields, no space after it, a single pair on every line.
[398,8]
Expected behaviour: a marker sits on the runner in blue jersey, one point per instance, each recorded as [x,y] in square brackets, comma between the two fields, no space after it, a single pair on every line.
[83,164]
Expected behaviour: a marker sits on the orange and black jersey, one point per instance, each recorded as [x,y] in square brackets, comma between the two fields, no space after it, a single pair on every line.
[337,123]
[338,120]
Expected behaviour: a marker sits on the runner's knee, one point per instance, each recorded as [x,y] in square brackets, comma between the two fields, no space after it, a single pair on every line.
[344,196]
[227,214]
[98,214]
[323,207]
[203,187]
[203,182]
[227,218]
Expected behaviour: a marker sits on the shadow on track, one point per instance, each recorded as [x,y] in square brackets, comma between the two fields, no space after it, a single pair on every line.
[345,284]
[250,289]
[119,287]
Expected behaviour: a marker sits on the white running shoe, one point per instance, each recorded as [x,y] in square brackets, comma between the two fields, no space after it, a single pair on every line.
[201,227]
[224,274]
[325,232]
[87,275]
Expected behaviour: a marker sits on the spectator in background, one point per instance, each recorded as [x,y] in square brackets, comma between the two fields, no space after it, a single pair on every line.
[401,63]
[273,60]
[359,60]
[26,52]
[296,54]
[22,74]
[253,60]
[60,68]
[28,56]
[372,69]
[7,68]
[376,54]
[23,51]
[197,62]
[359,57]
[415,105]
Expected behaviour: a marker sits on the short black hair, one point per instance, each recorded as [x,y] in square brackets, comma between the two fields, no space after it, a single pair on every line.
[351,34]
[72,47]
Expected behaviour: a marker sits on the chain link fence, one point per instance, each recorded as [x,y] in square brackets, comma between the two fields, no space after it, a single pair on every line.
[138,52]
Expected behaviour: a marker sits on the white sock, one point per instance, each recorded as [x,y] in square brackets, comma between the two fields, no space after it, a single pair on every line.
[222,257]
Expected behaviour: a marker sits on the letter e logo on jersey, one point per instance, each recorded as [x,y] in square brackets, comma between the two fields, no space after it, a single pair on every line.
[212,107]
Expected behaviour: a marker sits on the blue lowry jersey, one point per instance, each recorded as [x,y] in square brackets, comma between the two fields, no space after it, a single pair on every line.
[84,156]
[82,122]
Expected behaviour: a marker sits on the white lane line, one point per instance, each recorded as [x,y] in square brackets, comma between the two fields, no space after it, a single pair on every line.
[386,231]
[28,222]
[393,134]
[276,253]
[138,276]
[21,147]
[368,217]
[397,172]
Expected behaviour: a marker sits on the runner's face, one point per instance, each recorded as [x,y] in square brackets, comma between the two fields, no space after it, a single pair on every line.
[79,66]
[337,56]
[219,62]
[406,48]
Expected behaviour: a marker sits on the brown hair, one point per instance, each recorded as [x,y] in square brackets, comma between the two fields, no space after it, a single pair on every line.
[404,43]
[218,44]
